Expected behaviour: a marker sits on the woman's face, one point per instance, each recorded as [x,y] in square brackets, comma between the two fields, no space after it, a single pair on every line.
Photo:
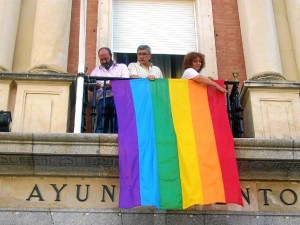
[196,64]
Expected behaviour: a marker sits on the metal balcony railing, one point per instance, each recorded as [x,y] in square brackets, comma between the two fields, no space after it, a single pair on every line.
[234,108]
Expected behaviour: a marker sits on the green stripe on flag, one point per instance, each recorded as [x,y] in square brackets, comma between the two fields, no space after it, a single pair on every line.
[166,147]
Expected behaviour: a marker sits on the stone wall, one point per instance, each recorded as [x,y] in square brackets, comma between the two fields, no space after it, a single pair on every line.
[73,178]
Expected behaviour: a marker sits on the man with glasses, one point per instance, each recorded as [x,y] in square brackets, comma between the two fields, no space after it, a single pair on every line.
[143,68]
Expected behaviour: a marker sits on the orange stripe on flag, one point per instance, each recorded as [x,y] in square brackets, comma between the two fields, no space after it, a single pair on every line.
[209,166]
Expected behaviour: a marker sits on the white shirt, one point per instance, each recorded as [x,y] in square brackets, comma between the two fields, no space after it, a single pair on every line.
[190,73]
[116,70]
[142,71]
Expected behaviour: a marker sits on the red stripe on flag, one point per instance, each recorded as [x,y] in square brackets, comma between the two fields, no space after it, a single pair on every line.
[225,145]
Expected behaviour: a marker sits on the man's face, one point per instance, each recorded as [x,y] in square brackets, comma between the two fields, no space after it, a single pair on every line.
[143,56]
[105,59]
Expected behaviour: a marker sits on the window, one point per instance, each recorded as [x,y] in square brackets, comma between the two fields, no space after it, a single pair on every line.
[167,26]
[123,25]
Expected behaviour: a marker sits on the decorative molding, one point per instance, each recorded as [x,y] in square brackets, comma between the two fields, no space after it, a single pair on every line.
[49,154]
[47,69]
[2,69]
[268,76]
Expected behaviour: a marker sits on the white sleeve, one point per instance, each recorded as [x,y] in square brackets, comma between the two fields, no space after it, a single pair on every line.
[132,69]
[125,71]
[189,73]
[156,72]
[94,72]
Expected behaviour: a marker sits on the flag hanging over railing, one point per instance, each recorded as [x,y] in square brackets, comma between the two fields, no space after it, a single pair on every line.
[175,144]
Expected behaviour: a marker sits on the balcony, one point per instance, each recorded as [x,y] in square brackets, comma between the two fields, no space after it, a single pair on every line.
[89,113]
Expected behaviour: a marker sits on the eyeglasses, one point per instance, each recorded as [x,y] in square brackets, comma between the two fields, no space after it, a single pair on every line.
[142,53]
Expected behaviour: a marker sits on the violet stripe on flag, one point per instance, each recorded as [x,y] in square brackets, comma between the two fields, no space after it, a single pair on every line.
[128,147]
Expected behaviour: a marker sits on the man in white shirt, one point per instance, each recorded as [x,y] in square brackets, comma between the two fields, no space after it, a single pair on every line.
[143,68]
[108,68]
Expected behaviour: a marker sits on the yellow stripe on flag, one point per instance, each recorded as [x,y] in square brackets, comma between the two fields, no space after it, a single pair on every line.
[187,149]
[209,166]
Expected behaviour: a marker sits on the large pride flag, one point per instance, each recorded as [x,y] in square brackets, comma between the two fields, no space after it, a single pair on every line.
[175,144]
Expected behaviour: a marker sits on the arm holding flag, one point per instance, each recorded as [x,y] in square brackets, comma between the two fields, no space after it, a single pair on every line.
[204,80]
[193,63]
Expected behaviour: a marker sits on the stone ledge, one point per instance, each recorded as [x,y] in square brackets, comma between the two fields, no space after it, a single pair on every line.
[118,217]
[270,84]
[267,149]
[150,210]
[107,145]
[37,76]
[58,144]
[96,155]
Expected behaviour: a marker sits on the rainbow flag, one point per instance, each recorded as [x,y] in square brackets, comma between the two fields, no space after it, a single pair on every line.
[175,144]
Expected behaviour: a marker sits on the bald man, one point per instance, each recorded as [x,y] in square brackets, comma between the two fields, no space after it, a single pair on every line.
[107,68]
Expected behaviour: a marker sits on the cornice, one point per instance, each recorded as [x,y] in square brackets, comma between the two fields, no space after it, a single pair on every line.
[96,155]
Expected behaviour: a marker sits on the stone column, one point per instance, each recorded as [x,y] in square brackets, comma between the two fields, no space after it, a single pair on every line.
[23,48]
[51,36]
[206,35]
[259,35]
[9,19]
[293,13]
[288,62]
[5,87]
